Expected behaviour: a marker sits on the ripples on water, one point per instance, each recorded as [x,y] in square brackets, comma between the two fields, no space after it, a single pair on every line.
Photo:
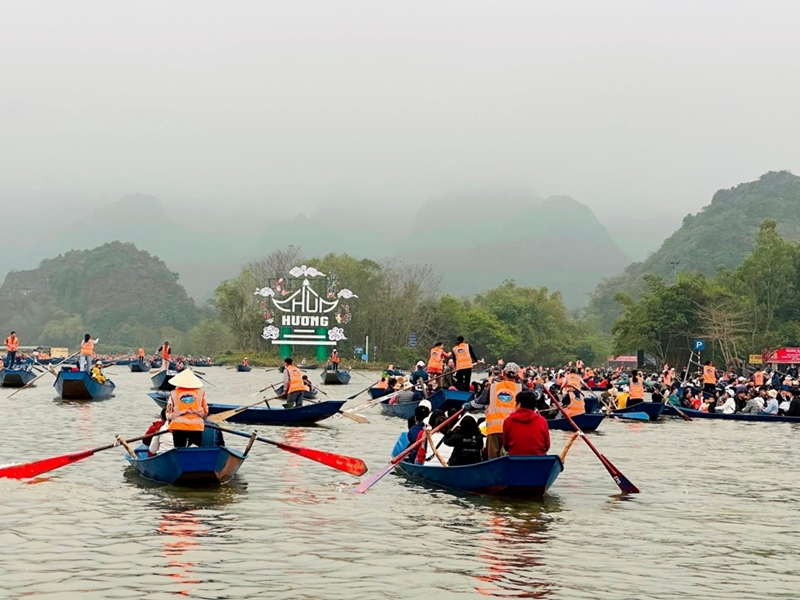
[717,516]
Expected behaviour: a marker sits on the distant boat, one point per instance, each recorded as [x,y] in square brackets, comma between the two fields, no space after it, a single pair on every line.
[586,422]
[330,377]
[161,379]
[79,385]
[139,367]
[243,368]
[652,409]
[747,417]
[16,377]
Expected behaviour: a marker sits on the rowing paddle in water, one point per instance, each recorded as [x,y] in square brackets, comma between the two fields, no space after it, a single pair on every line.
[48,464]
[346,464]
[624,484]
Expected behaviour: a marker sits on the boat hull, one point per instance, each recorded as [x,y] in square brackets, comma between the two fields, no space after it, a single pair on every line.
[161,379]
[307,395]
[454,399]
[207,466]
[79,385]
[586,421]
[16,378]
[519,476]
[699,414]
[243,368]
[340,377]
[406,409]
[308,414]
[652,409]
[139,367]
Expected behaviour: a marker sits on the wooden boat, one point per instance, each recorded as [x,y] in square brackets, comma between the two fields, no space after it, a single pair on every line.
[405,410]
[340,377]
[79,385]
[17,377]
[139,367]
[520,476]
[275,414]
[161,379]
[699,414]
[586,421]
[376,393]
[124,362]
[243,368]
[307,395]
[653,409]
[454,399]
[209,465]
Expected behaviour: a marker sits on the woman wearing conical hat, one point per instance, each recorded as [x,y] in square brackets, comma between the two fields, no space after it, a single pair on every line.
[187,409]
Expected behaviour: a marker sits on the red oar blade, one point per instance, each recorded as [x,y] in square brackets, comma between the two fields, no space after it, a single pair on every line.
[346,464]
[624,484]
[42,466]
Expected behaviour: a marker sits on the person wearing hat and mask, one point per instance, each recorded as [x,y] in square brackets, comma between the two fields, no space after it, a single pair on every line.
[97,372]
[419,373]
[499,399]
[728,406]
[186,410]
[406,393]
[771,409]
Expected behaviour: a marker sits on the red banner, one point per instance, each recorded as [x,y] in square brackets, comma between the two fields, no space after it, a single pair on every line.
[785,355]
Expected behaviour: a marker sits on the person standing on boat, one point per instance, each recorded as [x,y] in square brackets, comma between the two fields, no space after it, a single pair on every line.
[245,362]
[465,360]
[86,356]
[166,354]
[186,410]
[293,384]
[499,398]
[709,379]
[141,355]
[12,345]
[525,432]
[335,359]
[635,388]
[436,362]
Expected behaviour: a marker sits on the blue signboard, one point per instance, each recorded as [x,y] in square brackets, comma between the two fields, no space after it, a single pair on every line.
[698,345]
[412,340]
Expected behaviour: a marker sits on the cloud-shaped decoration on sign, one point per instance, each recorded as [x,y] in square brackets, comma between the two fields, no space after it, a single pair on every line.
[335,334]
[265,291]
[271,333]
[345,293]
[305,271]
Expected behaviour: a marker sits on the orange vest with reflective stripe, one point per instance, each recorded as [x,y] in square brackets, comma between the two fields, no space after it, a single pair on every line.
[186,410]
[166,352]
[502,402]
[574,380]
[709,374]
[463,359]
[12,343]
[758,378]
[576,406]
[87,348]
[296,383]
[636,390]
[436,360]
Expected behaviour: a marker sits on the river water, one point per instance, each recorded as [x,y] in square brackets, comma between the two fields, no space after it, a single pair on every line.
[717,516]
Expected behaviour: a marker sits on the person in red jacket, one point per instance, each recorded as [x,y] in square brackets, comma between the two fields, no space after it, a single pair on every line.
[525,431]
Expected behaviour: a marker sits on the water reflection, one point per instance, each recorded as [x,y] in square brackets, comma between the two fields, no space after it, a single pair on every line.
[188,498]
[180,532]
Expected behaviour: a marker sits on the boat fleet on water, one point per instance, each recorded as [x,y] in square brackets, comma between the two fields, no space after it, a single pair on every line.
[467,425]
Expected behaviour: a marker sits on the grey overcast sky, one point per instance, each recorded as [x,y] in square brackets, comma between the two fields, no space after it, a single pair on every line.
[638,106]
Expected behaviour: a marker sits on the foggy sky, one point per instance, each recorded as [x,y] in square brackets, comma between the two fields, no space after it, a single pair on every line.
[636,108]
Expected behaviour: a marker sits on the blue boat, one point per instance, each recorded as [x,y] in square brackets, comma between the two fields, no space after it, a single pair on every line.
[405,410]
[17,377]
[243,368]
[653,409]
[275,414]
[520,476]
[209,465]
[590,403]
[161,379]
[376,392]
[586,421]
[79,385]
[699,414]
[139,367]
[340,377]
[454,399]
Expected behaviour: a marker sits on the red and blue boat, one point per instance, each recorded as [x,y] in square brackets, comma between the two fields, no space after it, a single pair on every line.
[308,414]
[79,385]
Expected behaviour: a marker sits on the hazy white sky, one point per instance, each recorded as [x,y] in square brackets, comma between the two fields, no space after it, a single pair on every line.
[642,107]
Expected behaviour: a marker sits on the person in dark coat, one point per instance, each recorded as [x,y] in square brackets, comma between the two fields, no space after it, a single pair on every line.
[466,440]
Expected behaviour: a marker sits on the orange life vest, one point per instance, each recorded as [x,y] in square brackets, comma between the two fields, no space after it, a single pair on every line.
[335,358]
[166,352]
[589,372]
[383,384]
[245,362]
[502,402]
[576,406]
[436,360]
[12,343]
[296,383]
[758,378]
[87,348]
[463,359]
[574,380]
[668,379]
[636,390]
[141,352]
[186,409]
[709,375]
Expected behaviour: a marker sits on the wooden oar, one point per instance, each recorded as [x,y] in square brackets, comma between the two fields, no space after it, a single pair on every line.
[352,416]
[571,441]
[224,416]
[681,414]
[434,447]
[346,464]
[624,484]
[48,464]
[377,401]
[366,485]
[32,381]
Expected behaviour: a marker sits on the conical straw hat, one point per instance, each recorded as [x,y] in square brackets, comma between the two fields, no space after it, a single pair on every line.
[186,379]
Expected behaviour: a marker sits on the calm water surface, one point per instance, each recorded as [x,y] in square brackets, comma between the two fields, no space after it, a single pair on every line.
[717,516]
